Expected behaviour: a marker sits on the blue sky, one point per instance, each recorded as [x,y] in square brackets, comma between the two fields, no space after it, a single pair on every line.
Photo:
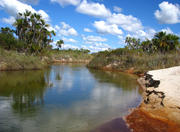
[98,24]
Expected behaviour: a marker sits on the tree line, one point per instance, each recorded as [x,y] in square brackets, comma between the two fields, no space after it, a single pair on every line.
[161,42]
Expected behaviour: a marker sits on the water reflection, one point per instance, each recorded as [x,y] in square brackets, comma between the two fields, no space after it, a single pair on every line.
[121,80]
[67,98]
[25,88]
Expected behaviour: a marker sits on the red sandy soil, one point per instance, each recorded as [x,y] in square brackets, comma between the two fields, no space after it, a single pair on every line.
[142,122]
[138,121]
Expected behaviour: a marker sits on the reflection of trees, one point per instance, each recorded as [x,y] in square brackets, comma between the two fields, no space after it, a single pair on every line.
[25,88]
[122,80]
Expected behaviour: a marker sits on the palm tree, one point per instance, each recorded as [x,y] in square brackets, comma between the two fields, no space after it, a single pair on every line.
[160,41]
[165,42]
[7,30]
[32,29]
[132,43]
[59,43]
[172,41]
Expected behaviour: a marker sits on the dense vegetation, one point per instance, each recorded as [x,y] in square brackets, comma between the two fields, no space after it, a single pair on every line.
[139,56]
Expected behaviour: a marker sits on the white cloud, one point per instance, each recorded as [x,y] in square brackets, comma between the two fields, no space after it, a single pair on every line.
[167,30]
[128,23]
[143,34]
[65,30]
[93,39]
[96,47]
[87,30]
[117,9]
[93,9]
[121,40]
[12,7]
[168,13]
[67,2]
[69,46]
[150,33]
[65,25]
[105,28]
[69,40]
[9,20]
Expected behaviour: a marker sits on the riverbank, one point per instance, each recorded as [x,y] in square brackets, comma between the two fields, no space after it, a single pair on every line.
[160,108]
[13,60]
[133,61]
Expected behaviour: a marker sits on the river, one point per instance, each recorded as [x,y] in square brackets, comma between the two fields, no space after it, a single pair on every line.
[64,98]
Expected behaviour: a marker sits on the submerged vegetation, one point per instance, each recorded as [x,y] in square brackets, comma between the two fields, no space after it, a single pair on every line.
[140,56]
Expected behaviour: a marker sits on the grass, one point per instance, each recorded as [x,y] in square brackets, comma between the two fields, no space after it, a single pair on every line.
[123,59]
[12,60]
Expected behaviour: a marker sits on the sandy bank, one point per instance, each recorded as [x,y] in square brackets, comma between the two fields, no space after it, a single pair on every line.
[161,99]
[162,93]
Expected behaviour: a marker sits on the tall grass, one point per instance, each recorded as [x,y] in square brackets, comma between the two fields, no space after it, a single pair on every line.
[124,59]
[12,60]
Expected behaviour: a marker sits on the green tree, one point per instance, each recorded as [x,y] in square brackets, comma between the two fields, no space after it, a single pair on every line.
[159,41]
[33,30]
[132,43]
[7,40]
[86,51]
[165,42]
[147,46]
[59,43]
[172,41]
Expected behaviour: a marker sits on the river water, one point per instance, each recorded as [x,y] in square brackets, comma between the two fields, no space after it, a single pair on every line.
[64,98]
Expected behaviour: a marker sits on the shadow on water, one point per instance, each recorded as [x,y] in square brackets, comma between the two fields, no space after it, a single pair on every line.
[25,88]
